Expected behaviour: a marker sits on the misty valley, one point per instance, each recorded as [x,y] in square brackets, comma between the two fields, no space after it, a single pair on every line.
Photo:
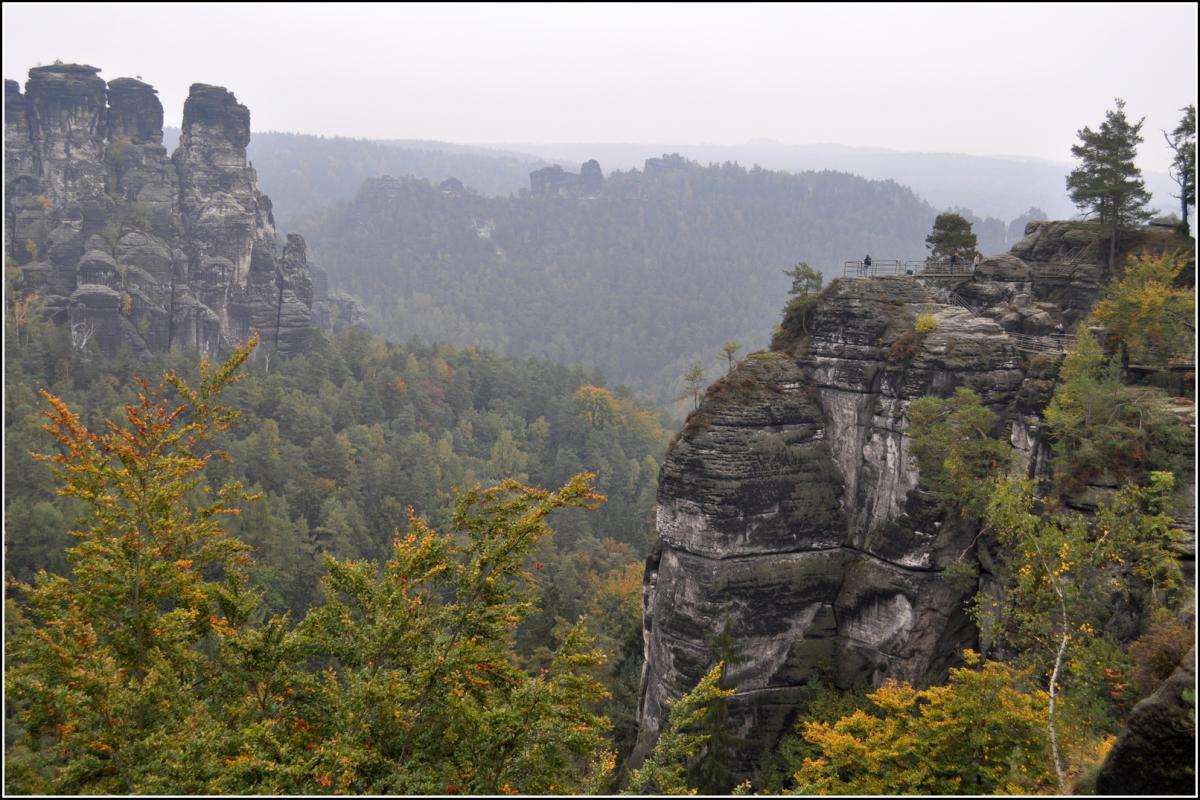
[393,466]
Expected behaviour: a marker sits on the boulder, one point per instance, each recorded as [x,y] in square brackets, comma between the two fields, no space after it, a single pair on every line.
[1155,753]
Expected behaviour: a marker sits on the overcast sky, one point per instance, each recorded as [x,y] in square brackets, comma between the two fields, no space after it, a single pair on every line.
[998,79]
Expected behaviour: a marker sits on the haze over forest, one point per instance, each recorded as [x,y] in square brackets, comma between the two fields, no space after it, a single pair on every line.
[586,399]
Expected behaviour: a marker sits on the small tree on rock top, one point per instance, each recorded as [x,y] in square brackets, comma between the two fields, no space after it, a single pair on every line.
[951,237]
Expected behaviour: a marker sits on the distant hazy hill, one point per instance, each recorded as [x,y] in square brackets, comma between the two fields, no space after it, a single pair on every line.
[996,187]
[303,174]
[654,272]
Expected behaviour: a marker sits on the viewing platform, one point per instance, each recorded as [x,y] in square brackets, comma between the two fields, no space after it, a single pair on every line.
[918,269]
[1063,270]
[1043,344]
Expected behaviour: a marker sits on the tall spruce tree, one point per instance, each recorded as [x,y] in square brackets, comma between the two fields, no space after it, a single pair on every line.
[1107,182]
[1182,142]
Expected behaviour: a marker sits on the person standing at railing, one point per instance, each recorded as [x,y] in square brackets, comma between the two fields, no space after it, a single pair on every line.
[1059,334]
[866,265]
[975,263]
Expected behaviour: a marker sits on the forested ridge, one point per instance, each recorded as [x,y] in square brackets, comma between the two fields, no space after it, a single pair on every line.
[305,174]
[650,275]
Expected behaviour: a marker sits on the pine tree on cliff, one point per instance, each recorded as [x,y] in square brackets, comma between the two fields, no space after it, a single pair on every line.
[1182,142]
[951,237]
[1107,182]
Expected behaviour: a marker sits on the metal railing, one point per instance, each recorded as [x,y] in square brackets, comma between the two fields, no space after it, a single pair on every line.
[1044,344]
[946,269]
[917,269]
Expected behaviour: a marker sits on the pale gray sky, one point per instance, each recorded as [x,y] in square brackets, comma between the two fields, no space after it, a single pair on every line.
[994,79]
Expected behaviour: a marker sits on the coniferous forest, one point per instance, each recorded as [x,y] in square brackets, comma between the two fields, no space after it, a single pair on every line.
[617,281]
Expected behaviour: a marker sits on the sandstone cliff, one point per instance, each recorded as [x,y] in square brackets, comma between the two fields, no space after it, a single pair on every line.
[789,505]
[130,246]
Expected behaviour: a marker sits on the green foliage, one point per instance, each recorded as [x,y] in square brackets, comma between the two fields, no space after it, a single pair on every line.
[1099,427]
[979,734]
[102,665]
[150,668]
[340,441]
[694,380]
[925,324]
[425,695]
[951,237]
[805,280]
[1066,580]
[963,575]
[1147,312]
[729,353]
[712,772]
[957,454]
[681,740]
[822,703]
[1107,182]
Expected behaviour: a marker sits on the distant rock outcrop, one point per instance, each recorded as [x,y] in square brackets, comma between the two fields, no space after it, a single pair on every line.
[135,247]
[554,181]
[452,186]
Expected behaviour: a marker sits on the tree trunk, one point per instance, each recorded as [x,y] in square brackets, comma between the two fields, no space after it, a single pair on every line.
[1183,202]
[1112,246]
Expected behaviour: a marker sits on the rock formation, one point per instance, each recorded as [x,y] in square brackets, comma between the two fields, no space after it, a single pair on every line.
[452,186]
[789,505]
[1155,753]
[131,246]
[554,181]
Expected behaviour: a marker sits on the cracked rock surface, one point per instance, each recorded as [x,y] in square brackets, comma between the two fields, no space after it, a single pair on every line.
[789,507]
[186,244]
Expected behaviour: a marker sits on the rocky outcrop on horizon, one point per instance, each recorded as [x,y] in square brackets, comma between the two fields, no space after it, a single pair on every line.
[132,246]
[790,509]
[554,181]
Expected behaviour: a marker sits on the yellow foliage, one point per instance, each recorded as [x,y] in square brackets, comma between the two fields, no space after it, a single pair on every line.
[983,732]
[1145,309]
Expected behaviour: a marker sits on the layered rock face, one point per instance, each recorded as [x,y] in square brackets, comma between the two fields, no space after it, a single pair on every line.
[789,508]
[132,247]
